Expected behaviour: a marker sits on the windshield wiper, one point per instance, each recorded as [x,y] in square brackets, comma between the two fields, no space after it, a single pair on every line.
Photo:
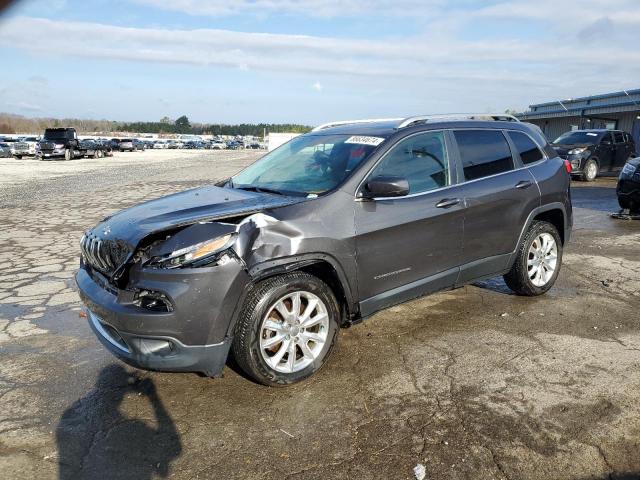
[253,188]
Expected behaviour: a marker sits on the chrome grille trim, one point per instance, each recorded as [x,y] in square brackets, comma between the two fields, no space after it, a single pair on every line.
[103,255]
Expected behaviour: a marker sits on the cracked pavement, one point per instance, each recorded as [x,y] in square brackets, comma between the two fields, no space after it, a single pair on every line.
[474,383]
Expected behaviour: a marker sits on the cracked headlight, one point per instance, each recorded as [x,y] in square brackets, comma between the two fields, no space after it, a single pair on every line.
[197,253]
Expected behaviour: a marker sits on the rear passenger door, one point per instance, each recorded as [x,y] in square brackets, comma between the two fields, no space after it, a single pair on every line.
[499,195]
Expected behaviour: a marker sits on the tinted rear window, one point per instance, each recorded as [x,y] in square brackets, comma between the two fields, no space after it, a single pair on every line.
[483,153]
[528,150]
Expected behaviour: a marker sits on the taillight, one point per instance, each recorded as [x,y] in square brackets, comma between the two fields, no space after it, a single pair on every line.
[567,166]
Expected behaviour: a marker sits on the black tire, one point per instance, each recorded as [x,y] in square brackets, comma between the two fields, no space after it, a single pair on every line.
[589,175]
[517,279]
[624,203]
[246,347]
[19,157]
[68,154]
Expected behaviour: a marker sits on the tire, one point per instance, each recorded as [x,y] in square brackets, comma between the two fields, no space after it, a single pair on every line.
[624,203]
[259,307]
[590,171]
[525,282]
[68,154]
[19,157]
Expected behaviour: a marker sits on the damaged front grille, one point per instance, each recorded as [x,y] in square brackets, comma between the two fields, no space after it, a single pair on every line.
[106,256]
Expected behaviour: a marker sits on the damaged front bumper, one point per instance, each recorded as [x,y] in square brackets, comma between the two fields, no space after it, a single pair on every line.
[193,334]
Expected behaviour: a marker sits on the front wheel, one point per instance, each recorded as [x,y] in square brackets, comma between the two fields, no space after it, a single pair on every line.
[68,154]
[538,261]
[287,329]
[590,171]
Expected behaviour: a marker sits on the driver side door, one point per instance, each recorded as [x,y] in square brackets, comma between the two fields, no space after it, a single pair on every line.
[411,245]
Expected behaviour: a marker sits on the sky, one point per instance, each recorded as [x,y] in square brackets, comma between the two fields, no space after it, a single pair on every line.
[289,61]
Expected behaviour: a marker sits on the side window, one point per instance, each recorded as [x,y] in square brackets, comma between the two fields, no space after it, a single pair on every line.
[618,137]
[483,153]
[421,159]
[606,138]
[528,150]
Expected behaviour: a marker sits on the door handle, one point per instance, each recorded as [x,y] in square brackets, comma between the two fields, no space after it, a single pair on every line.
[447,202]
[524,184]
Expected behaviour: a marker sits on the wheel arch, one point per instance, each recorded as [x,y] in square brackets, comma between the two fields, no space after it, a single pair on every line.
[323,266]
[554,213]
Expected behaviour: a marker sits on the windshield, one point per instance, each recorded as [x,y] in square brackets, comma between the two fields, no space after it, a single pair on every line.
[58,134]
[308,164]
[572,138]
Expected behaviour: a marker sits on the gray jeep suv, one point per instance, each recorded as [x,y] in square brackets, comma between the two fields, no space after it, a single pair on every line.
[323,232]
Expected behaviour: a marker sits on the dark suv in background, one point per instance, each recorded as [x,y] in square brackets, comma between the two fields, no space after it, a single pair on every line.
[322,232]
[59,143]
[592,152]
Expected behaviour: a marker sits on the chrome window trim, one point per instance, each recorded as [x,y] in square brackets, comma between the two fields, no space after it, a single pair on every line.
[545,157]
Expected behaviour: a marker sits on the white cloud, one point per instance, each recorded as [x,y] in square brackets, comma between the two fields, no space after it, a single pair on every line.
[309,8]
[448,67]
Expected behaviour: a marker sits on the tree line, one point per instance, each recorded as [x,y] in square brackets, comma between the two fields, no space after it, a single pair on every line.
[16,124]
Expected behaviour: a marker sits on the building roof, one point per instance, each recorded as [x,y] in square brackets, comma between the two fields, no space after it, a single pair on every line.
[615,102]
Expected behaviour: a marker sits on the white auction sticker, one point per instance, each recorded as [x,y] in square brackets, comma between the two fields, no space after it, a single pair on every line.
[592,134]
[362,140]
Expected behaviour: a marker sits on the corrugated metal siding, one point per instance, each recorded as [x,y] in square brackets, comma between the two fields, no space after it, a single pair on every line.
[554,127]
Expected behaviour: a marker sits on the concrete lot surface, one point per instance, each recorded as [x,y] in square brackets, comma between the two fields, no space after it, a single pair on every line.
[475,383]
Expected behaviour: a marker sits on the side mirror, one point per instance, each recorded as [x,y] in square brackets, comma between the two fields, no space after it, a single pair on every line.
[386,186]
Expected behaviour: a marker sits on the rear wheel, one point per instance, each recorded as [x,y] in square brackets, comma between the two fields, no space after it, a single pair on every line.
[538,261]
[590,172]
[287,329]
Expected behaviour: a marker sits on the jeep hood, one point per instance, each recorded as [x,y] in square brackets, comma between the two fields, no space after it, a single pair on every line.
[191,206]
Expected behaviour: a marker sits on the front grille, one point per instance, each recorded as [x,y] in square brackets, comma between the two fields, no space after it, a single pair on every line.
[21,146]
[106,256]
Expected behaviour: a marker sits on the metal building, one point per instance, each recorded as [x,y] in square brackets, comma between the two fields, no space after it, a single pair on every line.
[618,110]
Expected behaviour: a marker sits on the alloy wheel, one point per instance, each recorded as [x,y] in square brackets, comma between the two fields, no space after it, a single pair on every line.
[542,259]
[294,331]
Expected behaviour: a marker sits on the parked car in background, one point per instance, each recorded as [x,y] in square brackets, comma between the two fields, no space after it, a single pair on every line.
[107,147]
[595,151]
[324,231]
[10,142]
[628,188]
[59,142]
[234,145]
[5,150]
[160,145]
[139,145]
[90,148]
[26,147]
[126,145]
[217,145]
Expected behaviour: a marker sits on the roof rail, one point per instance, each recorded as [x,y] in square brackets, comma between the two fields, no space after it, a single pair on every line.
[349,122]
[457,116]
